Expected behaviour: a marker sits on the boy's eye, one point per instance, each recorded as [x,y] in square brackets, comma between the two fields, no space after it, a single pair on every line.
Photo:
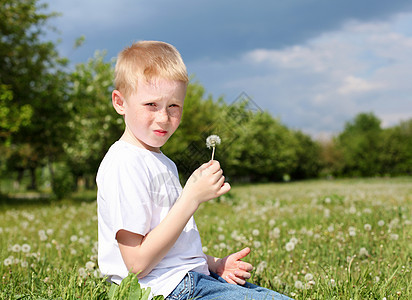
[150,104]
[174,105]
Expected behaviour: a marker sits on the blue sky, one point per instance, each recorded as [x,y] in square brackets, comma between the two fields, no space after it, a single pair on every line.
[314,64]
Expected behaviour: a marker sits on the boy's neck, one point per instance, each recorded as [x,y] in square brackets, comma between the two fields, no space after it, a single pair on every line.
[126,137]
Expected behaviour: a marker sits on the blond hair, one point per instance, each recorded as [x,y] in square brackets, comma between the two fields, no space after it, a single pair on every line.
[145,60]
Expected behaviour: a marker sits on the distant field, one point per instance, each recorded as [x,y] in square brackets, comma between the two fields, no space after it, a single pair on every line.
[336,239]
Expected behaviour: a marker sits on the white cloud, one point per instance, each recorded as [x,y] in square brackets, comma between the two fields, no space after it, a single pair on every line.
[319,85]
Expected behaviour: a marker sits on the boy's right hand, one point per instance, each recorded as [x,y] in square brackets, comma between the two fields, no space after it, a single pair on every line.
[206,183]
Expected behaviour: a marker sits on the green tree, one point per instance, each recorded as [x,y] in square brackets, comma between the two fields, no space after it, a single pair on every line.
[31,71]
[94,125]
[396,155]
[360,145]
[308,157]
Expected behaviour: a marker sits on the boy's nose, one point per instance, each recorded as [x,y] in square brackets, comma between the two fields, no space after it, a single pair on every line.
[162,116]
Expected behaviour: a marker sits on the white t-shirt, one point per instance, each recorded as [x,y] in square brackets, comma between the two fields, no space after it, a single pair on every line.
[136,189]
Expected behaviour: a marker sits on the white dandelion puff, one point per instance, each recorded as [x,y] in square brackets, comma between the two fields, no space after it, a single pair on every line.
[212,141]
[308,277]
[381,223]
[367,227]
[363,252]
[290,246]
[255,232]
[82,272]
[298,284]
[394,236]
[16,248]
[90,265]
[25,248]
[8,261]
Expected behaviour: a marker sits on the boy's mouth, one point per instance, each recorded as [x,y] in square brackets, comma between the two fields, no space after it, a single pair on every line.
[160,132]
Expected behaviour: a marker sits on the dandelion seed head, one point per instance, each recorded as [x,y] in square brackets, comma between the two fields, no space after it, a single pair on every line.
[298,284]
[212,141]
[289,246]
[257,244]
[255,232]
[90,265]
[25,248]
[8,261]
[16,248]
[381,223]
[82,272]
[394,236]
[363,252]
[367,227]
[308,277]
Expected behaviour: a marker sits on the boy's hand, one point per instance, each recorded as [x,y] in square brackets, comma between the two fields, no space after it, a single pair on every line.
[206,183]
[232,269]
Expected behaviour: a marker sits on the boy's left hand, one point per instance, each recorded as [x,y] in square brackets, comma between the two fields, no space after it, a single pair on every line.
[232,269]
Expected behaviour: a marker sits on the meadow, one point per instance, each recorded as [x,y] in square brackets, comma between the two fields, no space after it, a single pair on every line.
[320,239]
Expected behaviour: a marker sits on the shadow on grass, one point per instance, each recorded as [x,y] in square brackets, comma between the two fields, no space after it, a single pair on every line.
[40,199]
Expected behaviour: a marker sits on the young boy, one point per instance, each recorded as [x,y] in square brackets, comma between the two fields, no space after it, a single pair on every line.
[145,218]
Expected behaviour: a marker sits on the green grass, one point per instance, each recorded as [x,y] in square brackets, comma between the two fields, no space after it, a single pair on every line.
[339,239]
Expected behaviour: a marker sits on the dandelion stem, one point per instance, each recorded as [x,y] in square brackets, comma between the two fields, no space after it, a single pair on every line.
[213,153]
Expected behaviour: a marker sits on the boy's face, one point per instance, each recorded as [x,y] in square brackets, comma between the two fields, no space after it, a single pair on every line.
[153,113]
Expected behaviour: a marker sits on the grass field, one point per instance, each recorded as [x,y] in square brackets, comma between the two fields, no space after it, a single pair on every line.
[338,239]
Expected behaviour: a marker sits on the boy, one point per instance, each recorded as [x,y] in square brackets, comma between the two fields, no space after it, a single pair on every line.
[145,218]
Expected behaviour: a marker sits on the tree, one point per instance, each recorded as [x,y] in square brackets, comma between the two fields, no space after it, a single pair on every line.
[94,124]
[31,73]
[396,155]
[360,145]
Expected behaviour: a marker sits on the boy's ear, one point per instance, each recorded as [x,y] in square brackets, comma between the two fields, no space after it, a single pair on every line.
[118,102]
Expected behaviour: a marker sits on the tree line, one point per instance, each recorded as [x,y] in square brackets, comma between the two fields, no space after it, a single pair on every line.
[57,122]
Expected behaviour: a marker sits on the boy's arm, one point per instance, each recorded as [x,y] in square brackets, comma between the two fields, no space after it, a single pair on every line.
[231,268]
[142,254]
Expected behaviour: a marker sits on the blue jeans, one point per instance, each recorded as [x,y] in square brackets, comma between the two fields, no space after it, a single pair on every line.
[199,286]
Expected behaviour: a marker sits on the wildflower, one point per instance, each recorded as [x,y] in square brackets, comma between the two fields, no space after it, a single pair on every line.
[290,246]
[25,248]
[82,272]
[363,252]
[352,210]
[367,227]
[328,200]
[205,249]
[42,235]
[272,222]
[394,236]
[8,261]
[257,244]
[381,223]
[310,283]
[211,142]
[308,277]
[49,231]
[332,282]
[74,238]
[294,240]
[377,279]
[73,251]
[298,284]
[221,237]
[255,232]
[331,228]
[261,267]
[24,264]
[276,232]
[16,248]
[90,265]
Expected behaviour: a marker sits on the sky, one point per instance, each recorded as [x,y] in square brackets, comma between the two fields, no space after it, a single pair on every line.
[313,64]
